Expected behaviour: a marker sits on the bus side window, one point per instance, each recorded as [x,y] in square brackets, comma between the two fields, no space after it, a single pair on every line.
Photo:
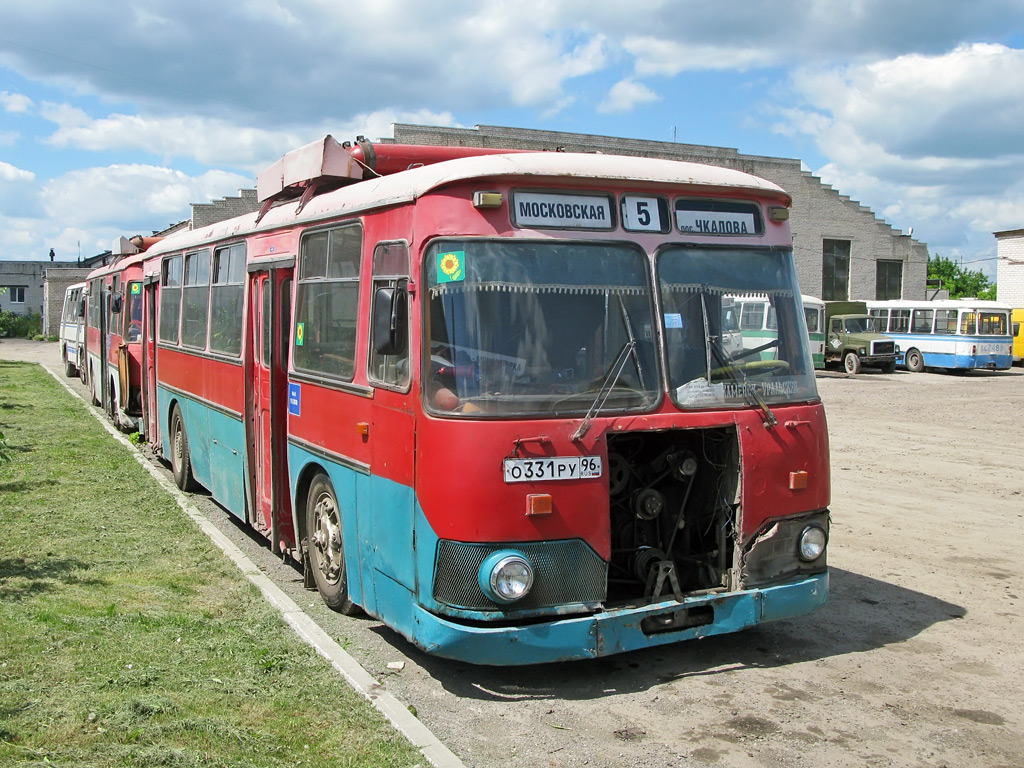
[752,316]
[388,359]
[327,302]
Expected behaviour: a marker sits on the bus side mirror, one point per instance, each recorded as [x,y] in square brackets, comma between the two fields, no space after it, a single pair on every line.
[390,320]
[116,302]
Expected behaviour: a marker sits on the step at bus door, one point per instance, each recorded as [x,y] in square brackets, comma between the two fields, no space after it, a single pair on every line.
[267,402]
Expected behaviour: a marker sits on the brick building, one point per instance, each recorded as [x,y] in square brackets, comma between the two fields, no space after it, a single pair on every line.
[1010,267]
[22,284]
[842,249]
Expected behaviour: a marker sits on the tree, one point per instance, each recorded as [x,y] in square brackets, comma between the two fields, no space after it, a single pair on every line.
[960,282]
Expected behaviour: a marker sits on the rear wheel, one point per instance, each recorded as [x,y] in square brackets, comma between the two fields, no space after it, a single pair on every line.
[325,547]
[69,368]
[92,388]
[181,460]
[915,363]
[851,362]
[889,368]
[111,406]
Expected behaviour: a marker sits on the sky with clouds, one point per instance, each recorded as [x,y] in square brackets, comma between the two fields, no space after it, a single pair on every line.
[114,116]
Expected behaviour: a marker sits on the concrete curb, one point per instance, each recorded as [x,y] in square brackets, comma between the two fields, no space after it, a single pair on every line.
[311,633]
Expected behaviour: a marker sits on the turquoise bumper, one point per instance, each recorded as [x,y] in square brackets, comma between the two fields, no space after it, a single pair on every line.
[616,631]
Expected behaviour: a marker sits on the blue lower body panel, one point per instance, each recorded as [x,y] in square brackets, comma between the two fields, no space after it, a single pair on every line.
[610,632]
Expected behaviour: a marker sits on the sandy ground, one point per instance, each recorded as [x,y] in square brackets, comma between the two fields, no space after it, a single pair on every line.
[915,661]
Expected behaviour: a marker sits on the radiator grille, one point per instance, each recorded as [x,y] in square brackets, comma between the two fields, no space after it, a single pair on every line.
[883,347]
[565,572]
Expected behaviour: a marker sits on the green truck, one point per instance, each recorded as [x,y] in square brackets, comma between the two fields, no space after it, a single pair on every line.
[852,340]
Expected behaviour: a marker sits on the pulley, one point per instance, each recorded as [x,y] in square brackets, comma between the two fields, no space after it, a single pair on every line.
[648,504]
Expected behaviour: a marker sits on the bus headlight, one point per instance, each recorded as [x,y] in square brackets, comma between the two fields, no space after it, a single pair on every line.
[812,543]
[506,576]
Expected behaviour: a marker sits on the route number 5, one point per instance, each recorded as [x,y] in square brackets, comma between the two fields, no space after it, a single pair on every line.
[641,214]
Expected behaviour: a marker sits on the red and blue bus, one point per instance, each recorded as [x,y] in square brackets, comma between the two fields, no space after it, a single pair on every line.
[113,336]
[484,397]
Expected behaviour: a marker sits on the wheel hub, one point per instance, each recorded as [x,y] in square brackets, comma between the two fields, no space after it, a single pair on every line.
[326,539]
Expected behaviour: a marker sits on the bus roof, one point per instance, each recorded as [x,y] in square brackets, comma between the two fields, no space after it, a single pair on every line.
[938,304]
[407,186]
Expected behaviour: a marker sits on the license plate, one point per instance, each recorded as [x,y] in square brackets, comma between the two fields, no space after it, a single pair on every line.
[553,468]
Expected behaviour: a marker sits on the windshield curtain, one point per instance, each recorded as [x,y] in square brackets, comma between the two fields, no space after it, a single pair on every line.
[519,328]
[710,363]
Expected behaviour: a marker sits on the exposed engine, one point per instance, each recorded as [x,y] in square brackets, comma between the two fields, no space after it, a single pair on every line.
[674,499]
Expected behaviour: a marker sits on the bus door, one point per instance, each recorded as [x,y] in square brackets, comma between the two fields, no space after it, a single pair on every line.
[102,391]
[150,423]
[267,419]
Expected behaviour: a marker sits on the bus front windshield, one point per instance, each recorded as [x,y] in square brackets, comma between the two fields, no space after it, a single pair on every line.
[521,328]
[707,369]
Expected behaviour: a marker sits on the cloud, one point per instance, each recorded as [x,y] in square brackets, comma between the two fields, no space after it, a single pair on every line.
[10,173]
[290,63]
[625,95]
[669,57]
[966,104]
[132,197]
[213,141]
[15,102]
[18,191]
[932,141]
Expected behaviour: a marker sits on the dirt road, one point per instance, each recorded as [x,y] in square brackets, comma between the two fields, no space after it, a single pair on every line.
[914,662]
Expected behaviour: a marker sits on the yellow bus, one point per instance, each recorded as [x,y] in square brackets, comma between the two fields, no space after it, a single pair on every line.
[1016,320]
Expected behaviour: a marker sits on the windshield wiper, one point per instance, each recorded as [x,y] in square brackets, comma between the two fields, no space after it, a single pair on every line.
[748,389]
[606,389]
[632,340]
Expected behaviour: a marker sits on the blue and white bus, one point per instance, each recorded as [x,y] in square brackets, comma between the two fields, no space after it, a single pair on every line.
[72,331]
[956,334]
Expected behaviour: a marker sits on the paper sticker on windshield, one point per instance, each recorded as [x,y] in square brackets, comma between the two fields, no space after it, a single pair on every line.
[451,267]
[673,320]
[300,334]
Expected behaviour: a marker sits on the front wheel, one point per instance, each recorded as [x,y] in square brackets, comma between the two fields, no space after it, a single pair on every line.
[181,459]
[851,362]
[915,363]
[325,546]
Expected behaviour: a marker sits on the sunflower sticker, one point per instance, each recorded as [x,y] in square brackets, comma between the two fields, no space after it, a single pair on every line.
[451,267]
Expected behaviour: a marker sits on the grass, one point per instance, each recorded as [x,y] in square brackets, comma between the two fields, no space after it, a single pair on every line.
[126,638]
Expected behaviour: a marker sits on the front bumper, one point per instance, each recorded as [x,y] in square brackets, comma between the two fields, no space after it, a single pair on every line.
[615,631]
[877,359]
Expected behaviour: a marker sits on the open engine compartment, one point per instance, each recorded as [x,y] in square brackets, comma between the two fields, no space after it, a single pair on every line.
[674,501]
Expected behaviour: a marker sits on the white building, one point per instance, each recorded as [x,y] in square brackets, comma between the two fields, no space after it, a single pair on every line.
[1010,267]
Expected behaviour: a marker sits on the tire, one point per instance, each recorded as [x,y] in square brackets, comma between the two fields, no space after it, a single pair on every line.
[325,546]
[914,361]
[851,363]
[181,460]
[92,388]
[69,368]
[111,406]
[81,368]
[889,367]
